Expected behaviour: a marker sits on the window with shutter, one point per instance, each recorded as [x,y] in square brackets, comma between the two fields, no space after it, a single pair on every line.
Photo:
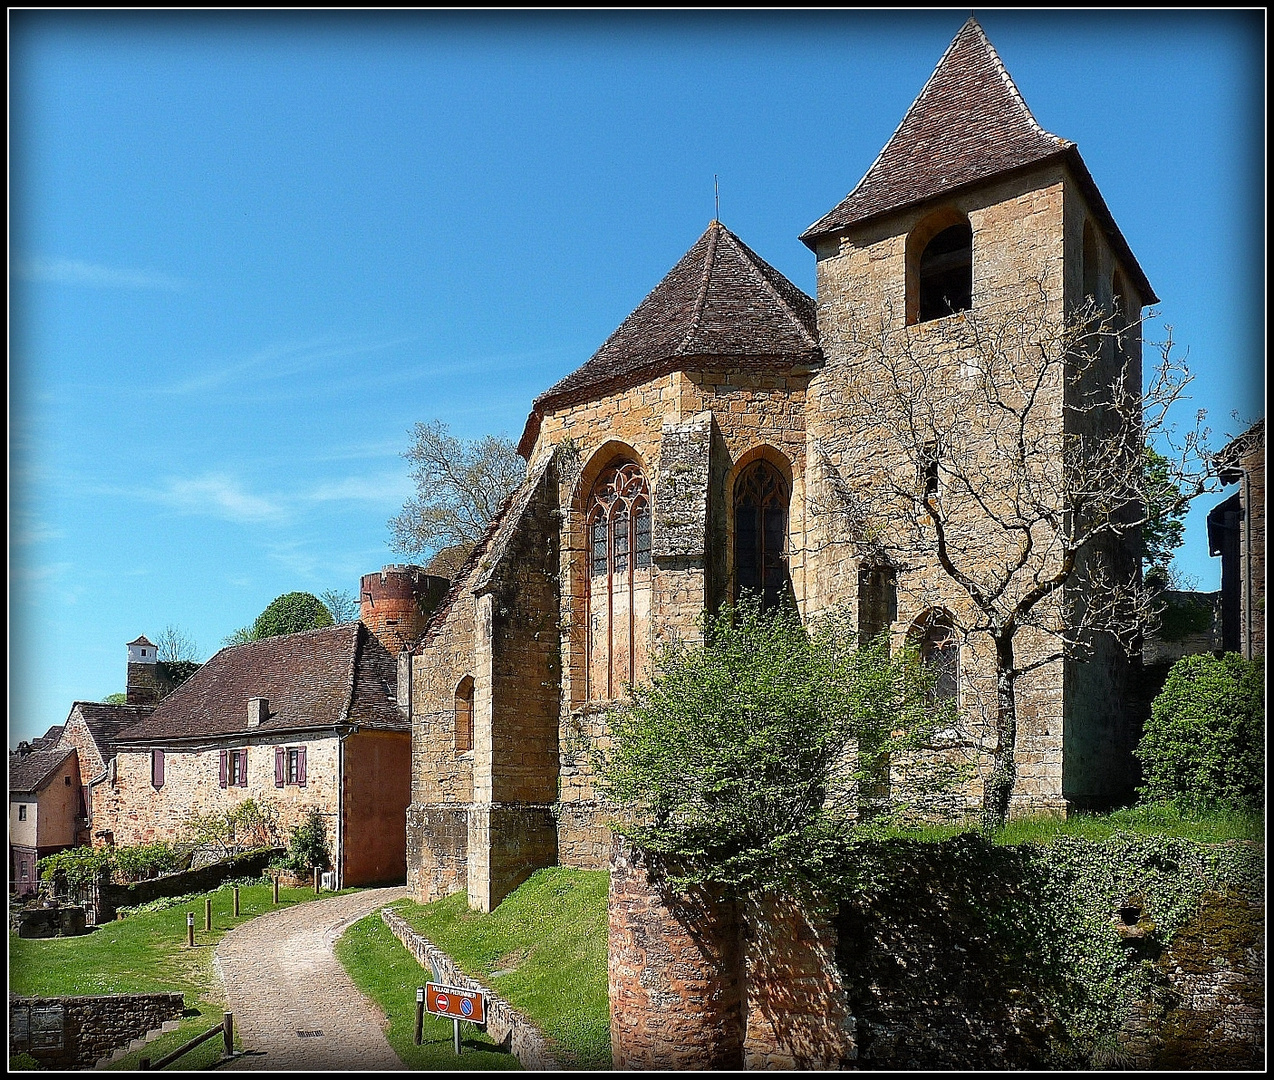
[157,768]
[300,766]
[243,768]
[279,764]
[225,767]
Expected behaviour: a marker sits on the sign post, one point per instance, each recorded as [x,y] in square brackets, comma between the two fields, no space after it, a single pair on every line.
[420,1012]
[456,1004]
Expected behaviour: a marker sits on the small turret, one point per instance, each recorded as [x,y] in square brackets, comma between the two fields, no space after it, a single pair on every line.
[143,681]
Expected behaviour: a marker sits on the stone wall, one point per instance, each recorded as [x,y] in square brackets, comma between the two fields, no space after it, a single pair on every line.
[954,956]
[77,1032]
[115,895]
[504,1023]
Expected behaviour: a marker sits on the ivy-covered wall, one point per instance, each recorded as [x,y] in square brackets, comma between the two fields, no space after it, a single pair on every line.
[1134,951]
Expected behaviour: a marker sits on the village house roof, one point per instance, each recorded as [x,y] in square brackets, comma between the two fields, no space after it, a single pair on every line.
[30,771]
[142,641]
[1228,461]
[968,125]
[317,678]
[104,722]
[49,739]
[721,303]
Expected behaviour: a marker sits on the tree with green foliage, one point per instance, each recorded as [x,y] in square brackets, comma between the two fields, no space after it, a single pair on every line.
[1164,528]
[739,760]
[290,613]
[1204,744]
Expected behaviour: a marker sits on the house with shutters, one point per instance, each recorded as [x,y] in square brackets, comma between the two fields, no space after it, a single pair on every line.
[299,721]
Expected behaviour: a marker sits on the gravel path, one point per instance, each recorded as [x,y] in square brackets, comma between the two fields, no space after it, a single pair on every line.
[294,1006]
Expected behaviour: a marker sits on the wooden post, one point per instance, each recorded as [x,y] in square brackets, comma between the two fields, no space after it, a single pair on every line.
[236,901]
[207,913]
[420,1012]
[276,888]
[317,879]
[143,1064]
[227,1032]
[190,929]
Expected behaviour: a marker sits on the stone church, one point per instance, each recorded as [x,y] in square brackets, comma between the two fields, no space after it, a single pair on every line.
[715,443]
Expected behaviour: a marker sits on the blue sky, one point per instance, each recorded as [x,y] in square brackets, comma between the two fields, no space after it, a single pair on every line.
[249,251]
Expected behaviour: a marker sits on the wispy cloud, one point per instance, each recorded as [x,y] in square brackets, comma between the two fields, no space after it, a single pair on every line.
[274,362]
[78,272]
[390,487]
[218,495]
[26,528]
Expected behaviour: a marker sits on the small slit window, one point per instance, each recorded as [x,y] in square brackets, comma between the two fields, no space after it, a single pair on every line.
[464,715]
[945,273]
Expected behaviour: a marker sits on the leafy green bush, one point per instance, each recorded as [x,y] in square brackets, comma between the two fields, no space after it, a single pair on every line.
[81,865]
[1204,744]
[741,760]
[308,848]
[144,860]
[291,613]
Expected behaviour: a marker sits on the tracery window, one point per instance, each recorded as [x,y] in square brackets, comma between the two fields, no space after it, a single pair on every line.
[617,524]
[940,652]
[760,533]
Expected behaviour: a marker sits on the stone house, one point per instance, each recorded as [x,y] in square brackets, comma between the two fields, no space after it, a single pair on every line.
[1236,532]
[716,442]
[44,802]
[299,721]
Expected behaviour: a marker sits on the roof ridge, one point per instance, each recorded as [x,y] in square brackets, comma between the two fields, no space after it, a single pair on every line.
[755,262]
[710,259]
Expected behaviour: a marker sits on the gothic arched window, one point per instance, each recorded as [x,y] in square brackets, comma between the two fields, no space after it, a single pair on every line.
[940,652]
[617,527]
[760,533]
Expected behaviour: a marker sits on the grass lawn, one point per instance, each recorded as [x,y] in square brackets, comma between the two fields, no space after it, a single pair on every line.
[147,953]
[1214,827]
[543,949]
[388,974]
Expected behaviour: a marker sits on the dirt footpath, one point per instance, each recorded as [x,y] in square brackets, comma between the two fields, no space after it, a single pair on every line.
[294,1007]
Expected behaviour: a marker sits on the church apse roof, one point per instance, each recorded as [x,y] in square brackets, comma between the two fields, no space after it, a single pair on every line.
[722,302]
[969,124]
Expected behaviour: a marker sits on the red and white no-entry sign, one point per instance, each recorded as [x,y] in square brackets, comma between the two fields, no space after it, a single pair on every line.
[455,1003]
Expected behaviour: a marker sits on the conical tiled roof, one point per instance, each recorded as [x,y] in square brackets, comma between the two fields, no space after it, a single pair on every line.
[721,301]
[968,124]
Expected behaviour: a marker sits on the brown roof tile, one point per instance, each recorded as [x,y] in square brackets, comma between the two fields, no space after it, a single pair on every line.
[312,679]
[722,302]
[105,722]
[969,124]
[29,772]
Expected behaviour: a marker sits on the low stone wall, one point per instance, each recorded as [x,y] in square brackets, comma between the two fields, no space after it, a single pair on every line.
[113,896]
[504,1023]
[77,1032]
[45,922]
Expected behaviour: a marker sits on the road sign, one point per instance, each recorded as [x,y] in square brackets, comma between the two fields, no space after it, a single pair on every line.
[455,1002]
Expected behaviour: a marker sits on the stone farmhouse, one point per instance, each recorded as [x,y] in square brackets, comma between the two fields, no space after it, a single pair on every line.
[302,720]
[714,443]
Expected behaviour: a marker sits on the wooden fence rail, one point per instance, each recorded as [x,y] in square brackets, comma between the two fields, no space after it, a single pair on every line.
[226,1028]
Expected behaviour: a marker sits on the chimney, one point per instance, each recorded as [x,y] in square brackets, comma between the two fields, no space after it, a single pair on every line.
[258,710]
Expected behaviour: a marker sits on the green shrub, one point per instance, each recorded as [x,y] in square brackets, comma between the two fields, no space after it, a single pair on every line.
[289,614]
[81,865]
[1204,744]
[308,847]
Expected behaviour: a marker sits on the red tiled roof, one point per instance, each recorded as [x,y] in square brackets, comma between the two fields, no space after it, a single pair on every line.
[969,124]
[317,678]
[722,302]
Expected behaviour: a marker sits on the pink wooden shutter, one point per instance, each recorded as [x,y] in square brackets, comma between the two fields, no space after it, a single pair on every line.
[243,768]
[225,767]
[280,764]
[157,768]
[300,766]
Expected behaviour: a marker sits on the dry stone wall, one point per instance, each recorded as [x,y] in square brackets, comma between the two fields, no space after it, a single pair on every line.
[76,1032]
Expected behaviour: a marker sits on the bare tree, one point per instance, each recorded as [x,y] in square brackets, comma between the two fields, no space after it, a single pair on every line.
[460,484]
[342,603]
[999,470]
[175,645]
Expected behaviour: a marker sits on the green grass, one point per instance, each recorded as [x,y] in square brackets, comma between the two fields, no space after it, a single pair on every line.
[1213,827]
[388,974]
[146,954]
[543,949]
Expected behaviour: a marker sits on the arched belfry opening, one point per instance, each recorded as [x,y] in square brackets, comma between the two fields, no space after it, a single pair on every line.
[939,266]
[617,581]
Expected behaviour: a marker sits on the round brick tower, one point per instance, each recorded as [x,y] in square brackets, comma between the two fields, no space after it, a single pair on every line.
[396,602]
